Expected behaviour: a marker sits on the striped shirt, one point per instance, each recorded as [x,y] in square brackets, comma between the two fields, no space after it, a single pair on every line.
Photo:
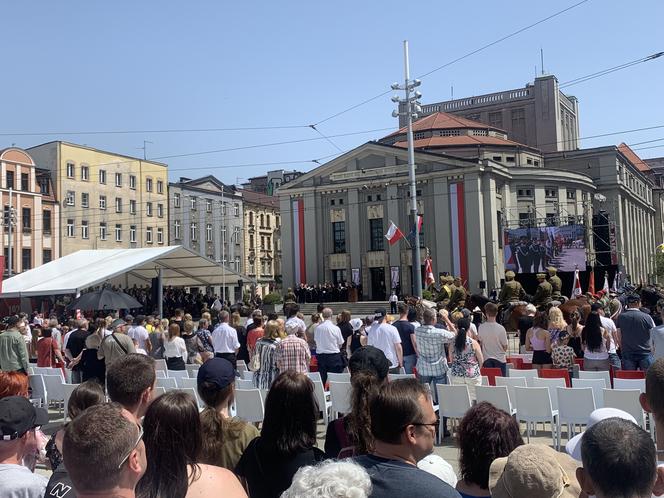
[431,358]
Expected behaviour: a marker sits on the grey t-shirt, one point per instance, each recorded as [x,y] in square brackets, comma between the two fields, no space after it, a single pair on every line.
[657,339]
[394,478]
[17,481]
[635,328]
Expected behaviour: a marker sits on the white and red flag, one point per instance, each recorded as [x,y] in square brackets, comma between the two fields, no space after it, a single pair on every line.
[393,233]
[576,288]
[428,271]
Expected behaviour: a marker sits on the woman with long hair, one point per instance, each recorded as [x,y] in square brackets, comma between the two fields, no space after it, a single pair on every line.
[224,437]
[172,437]
[538,340]
[596,344]
[48,351]
[466,358]
[243,353]
[254,335]
[575,331]
[288,437]
[265,357]
[91,366]
[175,350]
[193,343]
[557,324]
[157,338]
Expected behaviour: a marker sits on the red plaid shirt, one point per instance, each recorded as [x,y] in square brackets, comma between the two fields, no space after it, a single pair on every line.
[293,354]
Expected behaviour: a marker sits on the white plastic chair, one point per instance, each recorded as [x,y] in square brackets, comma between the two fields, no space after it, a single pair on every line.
[533,404]
[339,398]
[511,383]
[31,370]
[244,384]
[528,374]
[322,397]
[184,382]
[158,391]
[575,404]
[596,375]
[597,385]
[639,384]
[167,383]
[55,390]
[68,389]
[552,384]
[498,396]
[192,370]
[485,380]
[392,377]
[338,377]
[161,374]
[241,366]
[160,365]
[177,374]
[453,402]
[626,400]
[193,393]
[38,387]
[248,375]
[249,405]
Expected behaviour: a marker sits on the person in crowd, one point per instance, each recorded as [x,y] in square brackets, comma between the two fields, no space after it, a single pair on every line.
[56,333]
[610,327]
[254,335]
[178,318]
[192,341]
[357,339]
[250,321]
[175,349]
[224,340]
[351,435]
[48,351]
[172,436]
[116,344]
[316,320]
[524,324]
[328,340]
[287,440]
[538,340]
[556,324]
[343,322]
[265,356]
[466,358]
[241,332]
[75,347]
[70,328]
[139,334]
[652,401]
[596,344]
[343,479]
[634,335]
[293,353]
[493,338]
[403,425]
[19,421]
[131,381]
[104,452]
[13,383]
[91,366]
[619,459]
[485,433]
[656,334]
[385,337]
[406,332]
[13,353]
[224,437]
[575,331]
[562,355]
[534,470]
[292,317]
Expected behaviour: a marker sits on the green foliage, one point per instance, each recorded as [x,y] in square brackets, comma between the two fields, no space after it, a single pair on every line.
[428,295]
[272,298]
[659,264]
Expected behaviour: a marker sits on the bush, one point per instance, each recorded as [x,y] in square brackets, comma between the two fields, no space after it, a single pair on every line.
[272,298]
[428,295]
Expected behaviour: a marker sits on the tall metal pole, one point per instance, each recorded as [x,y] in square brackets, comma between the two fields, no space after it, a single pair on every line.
[223,248]
[11,222]
[160,292]
[417,265]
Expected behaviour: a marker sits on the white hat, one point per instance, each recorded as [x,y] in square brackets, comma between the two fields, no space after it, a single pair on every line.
[573,446]
[436,465]
[356,323]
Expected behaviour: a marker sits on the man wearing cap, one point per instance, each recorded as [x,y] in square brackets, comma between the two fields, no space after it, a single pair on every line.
[18,421]
[329,340]
[115,345]
[406,332]
[634,328]
[543,293]
[13,351]
[445,294]
[459,294]
[556,283]
[511,291]
[293,353]
[385,337]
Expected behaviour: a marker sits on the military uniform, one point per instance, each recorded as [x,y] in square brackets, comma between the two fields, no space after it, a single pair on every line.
[543,293]
[512,291]
[556,283]
[290,296]
[459,294]
[445,293]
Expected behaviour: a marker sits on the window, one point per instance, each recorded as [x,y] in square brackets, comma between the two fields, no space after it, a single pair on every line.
[132,182]
[47,256]
[118,204]
[9,176]
[148,209]
[160,186]
[236,209]
[25,182]
[268,221]
[148,235]
[132,206]
[251,218]
[332,202]
[192,201]
[176,200]
[251,242]
[192,231]
[85,173]
[160,235]
[160,210]
[223,235]
[176,230]
[132,233]
[268,239]
[102,176]
[524,220]
[208,232]
[208,205]
[237,263]
[236,234]
[118,233]
[551,193]
[70,170]
[509,159]
[26,219]
[118,179]
[26,259]
[102,202]
[262,221]
[85,234]
[263,242]
[46,221]
[148,184]
[70,199]
[376,234]
[519,123]
[102,230]
[278,221]
[70,228]
[223,209]
[496,119]
[85,200]
[339,236]
[44,187]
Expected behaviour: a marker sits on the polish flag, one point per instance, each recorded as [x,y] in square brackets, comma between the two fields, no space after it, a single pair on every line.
[591,282]
[393,234]
[428,270]
[576,288]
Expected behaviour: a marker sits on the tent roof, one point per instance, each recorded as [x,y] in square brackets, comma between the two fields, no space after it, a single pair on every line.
[82,269]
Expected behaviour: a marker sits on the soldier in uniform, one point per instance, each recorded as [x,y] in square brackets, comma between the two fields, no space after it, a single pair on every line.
[445,293]
[556,283]
[512,291]
[459,294]
[543,293]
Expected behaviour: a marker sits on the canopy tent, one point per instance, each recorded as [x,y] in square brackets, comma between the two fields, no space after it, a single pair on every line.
[124,267]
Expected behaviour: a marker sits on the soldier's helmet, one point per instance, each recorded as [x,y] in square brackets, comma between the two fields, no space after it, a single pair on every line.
[509,275]
[552,271]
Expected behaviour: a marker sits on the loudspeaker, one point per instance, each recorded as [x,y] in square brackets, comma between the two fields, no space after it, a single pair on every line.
[482,284]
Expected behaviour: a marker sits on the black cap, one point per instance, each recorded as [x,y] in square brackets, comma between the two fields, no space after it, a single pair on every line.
[369,359]
[18,416]
[633,298]
[596,307]
[380,313]
[218,371]
[412,315]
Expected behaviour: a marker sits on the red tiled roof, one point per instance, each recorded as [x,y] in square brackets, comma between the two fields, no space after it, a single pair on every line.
[429,142]
[633,158]
[443,120]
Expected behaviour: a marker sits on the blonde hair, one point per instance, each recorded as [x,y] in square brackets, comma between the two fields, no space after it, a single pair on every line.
[556,320]
[188,326]
[187,317]
[272,330]
[207,316]
[235,319]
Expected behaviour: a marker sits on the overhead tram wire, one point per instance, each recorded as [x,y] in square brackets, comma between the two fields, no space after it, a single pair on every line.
[136,132]
[588,77]
[313,127]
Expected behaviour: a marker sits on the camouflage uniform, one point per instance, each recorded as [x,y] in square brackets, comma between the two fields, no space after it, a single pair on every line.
[512,291]
[543,293]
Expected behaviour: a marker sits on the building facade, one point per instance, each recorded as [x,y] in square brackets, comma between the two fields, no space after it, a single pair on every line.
[262,241]
[29,204]
[269,183]
[206,216]
[109,201]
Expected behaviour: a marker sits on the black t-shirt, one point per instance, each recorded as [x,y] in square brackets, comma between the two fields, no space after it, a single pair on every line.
[406,330]
[525,322]
[76,344]
[392,478]
[346,330]
[268,473]
[60,485]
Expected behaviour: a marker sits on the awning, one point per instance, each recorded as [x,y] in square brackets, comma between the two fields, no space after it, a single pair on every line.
[75,272]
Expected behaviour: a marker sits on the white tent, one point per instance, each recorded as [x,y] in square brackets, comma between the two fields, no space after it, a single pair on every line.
[124,267]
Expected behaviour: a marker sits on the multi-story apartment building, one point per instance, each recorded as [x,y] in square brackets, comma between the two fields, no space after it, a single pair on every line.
[269,183]
[262,240]
[34,212]
[108,200]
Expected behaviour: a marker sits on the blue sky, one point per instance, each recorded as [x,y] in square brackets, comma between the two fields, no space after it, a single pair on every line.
[154,65]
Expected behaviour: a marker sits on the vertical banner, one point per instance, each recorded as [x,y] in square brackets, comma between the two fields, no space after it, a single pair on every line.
[458,219]
[394,274]
[298,241]
[355,276]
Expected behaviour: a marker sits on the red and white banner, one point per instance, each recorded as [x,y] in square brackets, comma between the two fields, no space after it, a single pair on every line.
[393,233]
[591,282]
[458,218]
[298,241]
[429,279]
[576,288]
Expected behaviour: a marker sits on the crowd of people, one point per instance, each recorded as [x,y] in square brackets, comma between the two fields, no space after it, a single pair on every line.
[324,293]
[123,440]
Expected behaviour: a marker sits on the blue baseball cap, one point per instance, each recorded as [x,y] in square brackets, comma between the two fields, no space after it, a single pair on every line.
[218,371]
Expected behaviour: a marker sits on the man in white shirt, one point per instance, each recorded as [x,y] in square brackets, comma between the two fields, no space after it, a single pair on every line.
[385,337]
[139,334]
[329,340]
[393,302]
[224,340]
[493,338]
[292,317]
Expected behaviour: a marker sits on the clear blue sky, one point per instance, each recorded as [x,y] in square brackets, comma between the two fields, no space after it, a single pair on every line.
[128,65]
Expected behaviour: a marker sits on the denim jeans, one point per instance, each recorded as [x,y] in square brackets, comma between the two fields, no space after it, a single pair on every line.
[635,361]
[614,360]
[493,363]
[432,380]
[409,362]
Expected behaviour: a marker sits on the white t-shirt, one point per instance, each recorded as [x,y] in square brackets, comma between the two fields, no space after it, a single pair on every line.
[174,348]
[300,323]
[384,336]
[224,339]
[657,341]
[16,481]
[139,334]
[328,338]
[492,338]
[610,327]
